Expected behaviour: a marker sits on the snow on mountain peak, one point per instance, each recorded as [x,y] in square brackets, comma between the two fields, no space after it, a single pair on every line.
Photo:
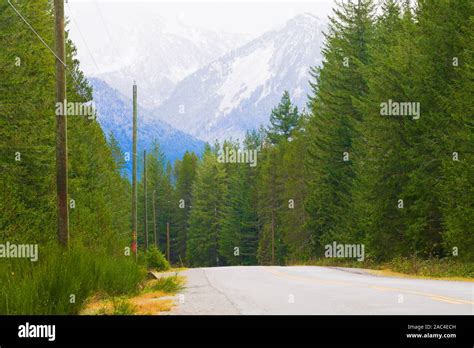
[172,52]
[247,73]
[236,92]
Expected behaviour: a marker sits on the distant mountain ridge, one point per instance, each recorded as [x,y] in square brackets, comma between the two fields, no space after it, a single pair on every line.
[115,115]
[169,56]
[222,99]
[236,92]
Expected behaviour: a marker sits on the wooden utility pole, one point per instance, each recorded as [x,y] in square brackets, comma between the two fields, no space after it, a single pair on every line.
[154,218]
[134,174]
[273,236]
[61,127]
[168,241]
[145,197]
[216,239]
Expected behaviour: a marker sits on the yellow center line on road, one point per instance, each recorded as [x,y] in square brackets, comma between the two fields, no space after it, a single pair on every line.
[444,300]
[435,297]
[432,296]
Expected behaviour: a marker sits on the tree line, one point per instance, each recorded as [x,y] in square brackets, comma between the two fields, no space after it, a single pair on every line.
[382,156]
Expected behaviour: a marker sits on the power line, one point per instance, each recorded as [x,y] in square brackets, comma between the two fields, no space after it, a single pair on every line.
[83,39]
[36,33]
[44,43]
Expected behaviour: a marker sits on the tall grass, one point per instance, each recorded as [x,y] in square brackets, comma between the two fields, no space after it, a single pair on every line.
[170,285]
[433,267]
[413,266]
[61,281]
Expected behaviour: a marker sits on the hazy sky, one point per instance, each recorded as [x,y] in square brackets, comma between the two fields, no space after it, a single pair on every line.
[93,21]
[241,16]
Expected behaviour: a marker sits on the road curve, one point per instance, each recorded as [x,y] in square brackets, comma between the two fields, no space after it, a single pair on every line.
[272,290]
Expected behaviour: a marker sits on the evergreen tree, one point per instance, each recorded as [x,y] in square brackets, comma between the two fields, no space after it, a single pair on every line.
[239,232]
[439,185]
[27,97]
[457,189]
[185,173]
[381,146]
[206,213]
[296,237]
[270,202]
[283,120]
[28,202]
[331,128]
[159,182]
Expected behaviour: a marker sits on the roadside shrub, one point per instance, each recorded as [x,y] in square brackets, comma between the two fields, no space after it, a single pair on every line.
[446,267]
[156,260]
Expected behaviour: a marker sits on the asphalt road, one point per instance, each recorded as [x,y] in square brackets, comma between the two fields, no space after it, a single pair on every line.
[317,290]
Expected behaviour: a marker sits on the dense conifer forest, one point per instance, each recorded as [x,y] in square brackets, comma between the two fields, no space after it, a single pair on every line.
[381,156]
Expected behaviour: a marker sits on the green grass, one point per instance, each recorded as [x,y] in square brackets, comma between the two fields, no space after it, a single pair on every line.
[170,285]
[122,307]
[61,281]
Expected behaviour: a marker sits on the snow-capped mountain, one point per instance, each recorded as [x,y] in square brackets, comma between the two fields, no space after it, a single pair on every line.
[115,115]
[236,92]
[158,54]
